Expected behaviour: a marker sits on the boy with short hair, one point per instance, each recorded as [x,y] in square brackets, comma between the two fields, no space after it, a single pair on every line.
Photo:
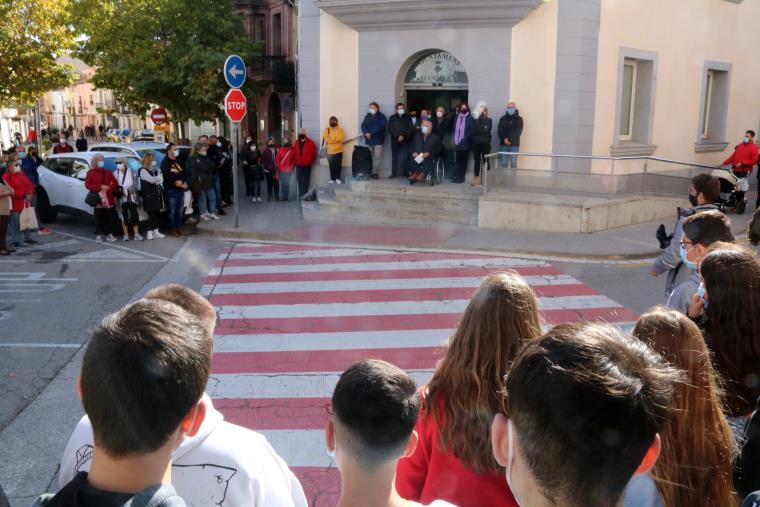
[375,406]
[143,375]
[223,462]
[585,405]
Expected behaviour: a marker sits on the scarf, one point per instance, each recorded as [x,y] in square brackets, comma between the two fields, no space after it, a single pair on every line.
[459,132]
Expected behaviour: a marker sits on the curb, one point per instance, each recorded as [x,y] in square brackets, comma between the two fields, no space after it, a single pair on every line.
[237,235]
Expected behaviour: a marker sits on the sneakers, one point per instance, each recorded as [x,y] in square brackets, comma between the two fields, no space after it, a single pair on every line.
[331,182]
[98,239]
[157,234]
[110,238]
[125,238]
[149,236]
[192,220]
[206,217]
[214,216]
[259,198]
[338,181]
[254,199]
[44,230]
[138,237]
[30,242]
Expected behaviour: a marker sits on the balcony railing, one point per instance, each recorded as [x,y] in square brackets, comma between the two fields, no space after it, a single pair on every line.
[273,69]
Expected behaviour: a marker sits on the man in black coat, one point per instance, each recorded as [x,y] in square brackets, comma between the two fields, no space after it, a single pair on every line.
[510,130]
[401,130]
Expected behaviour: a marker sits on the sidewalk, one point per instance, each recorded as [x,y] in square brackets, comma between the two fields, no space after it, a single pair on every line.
[282,221]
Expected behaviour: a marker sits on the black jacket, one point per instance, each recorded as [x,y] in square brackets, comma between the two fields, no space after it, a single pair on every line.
[441,126]
[482,132]
[430,145]
[400,126]
[747,465]
[81,144]
[252,164]
[469,128]
[201,169]
[511,127]
[173,171]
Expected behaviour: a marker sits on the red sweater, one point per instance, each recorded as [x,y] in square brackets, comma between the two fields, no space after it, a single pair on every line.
[21,186]
[305,152]
[432,474]
[285,161]
[743,158]
[97,177]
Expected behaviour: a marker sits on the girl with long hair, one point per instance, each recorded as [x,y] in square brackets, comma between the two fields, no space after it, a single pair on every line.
[453,460]
[694,467]
[729,305]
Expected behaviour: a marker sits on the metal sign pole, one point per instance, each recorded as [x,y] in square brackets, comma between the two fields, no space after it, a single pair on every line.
[235,192]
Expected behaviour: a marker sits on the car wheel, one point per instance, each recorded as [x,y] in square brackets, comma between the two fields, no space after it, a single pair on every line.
[47,212]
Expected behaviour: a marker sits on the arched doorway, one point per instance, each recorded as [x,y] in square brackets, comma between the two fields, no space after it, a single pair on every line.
[274,111]
[434,78]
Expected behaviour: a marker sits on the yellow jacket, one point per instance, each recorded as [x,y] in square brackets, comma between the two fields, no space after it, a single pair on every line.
[334,137]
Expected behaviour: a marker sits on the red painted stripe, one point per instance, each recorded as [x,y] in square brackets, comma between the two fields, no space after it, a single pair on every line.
[276,413]
[320,485]
[398,322]
[331,276]
[352,259]
[381,295]
[278,248]
[322,360]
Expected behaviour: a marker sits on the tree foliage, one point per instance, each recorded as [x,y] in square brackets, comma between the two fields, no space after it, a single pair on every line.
[33,33]
[165,52]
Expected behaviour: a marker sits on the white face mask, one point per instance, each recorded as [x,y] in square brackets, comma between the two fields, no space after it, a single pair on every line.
[62,141]
[120,166]
[476,115]
[372,111]
[401,112]
[439,114]
[425,130]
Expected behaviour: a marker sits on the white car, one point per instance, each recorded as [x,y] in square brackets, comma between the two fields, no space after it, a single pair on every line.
[62,181]
[140,148]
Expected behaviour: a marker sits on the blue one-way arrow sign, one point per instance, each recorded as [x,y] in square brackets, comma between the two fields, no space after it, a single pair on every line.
[234,71]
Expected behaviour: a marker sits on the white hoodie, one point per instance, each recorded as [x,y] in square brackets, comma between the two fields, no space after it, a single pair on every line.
[223,464]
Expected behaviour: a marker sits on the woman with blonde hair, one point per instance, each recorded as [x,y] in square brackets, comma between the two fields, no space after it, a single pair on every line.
[694,467]
[453,460]
[151,189]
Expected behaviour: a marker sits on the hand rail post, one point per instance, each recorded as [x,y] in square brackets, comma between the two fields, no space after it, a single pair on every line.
[644,179]
[484,172]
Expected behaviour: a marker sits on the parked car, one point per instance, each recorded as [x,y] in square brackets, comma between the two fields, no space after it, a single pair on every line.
[145,135]
[140,148]
[62,181]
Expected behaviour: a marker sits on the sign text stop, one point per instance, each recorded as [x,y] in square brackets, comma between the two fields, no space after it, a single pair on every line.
[235,105]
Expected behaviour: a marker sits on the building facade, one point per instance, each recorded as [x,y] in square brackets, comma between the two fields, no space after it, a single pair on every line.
[674,79]
[271,24]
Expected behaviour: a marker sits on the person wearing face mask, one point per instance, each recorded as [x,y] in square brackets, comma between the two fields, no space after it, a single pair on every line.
[23,191]
[425,149]
[246,169]
[202,171]
[126,205]
[704,192]
[743,159]
[102,182]
[269,163]
[700,231]
[415,120]
[81,142]
[6,203]
[286,164]
[373,129]
[464,127]
[481,139]
[442,128]
[215,155]
[305,153]
[510,130]
[152,191]
[175,183]
[333,137]
[585,406]
[225,171]
[30,164]
[254,171]
[63,145]
[401,131]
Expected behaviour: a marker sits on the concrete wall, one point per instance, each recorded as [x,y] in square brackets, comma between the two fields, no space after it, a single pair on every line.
[534,59]
[684,35]
[309,66]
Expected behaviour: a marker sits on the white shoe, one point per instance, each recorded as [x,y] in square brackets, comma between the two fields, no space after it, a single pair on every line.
[110,238]
[338,181]
[214,216]
[332,181]
[205,218]
[157,234]
[254,199]
[138,237]
[98,239]
[259,199]
[125,238]
[149,236]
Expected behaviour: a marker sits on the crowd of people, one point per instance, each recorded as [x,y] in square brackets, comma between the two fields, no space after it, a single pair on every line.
[581,414]
[417,141]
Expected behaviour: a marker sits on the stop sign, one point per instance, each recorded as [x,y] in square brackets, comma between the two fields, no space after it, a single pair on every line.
[235,105]
[159,116]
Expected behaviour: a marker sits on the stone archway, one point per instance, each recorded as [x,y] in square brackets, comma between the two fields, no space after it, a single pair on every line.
[432,78]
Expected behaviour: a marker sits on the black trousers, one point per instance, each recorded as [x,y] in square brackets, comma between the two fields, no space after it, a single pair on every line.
[479,151]
[399,158]
[104,220]
[152,220]
[461,157]
[303,175]
[3,231]
[336,165]
[273,187]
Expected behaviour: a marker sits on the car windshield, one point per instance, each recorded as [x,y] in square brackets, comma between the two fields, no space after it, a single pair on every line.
[160,154]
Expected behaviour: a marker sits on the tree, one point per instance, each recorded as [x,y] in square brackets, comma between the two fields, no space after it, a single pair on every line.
[33,34]
[165,52]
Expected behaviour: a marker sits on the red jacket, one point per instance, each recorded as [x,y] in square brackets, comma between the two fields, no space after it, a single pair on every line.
[433,474]
[97,177]
[285,161]
[66,148]
[306,152]
[743,158]
[21,186]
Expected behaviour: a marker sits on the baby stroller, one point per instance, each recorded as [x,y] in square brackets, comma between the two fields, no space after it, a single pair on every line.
[732,189]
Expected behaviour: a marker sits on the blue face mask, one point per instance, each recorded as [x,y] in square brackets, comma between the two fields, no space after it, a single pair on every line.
[701,292]
[686,261]
[511,111]
[22,154]
[746,139]
[101,164]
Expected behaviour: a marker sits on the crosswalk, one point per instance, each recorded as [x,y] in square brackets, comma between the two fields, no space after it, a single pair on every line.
[293,317]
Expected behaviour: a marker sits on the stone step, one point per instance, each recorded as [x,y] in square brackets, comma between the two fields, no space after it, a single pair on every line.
[410,200]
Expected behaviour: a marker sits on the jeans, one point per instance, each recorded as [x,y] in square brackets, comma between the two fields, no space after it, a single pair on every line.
[336,165]
[255,188]
[273,187]
[14,232]
[285,185]
[508,160]
[303,175]
[217,193]
[377,156]
[176,201]
[399,159]
[207,201]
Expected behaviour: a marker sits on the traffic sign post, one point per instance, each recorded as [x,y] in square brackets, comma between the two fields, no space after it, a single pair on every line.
[234,71]
[159,116]
[235,108]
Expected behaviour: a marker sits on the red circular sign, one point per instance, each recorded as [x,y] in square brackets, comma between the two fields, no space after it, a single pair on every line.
[159,116]
[235,105]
